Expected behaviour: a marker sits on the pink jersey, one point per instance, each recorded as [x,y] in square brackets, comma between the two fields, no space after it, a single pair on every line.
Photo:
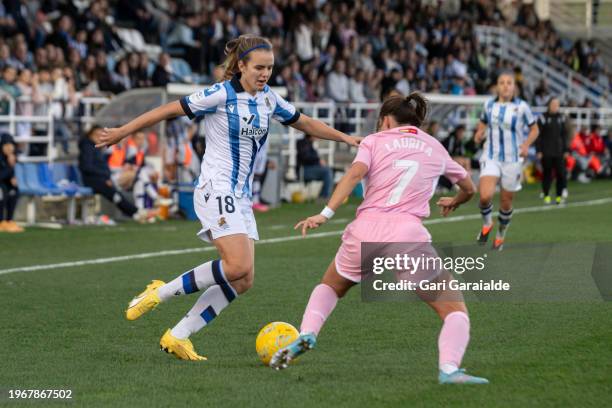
[404,165]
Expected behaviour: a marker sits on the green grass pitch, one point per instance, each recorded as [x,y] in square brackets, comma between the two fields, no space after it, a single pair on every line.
[64,328]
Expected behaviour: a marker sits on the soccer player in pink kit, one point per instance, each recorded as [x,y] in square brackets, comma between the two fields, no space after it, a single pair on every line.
[401,165]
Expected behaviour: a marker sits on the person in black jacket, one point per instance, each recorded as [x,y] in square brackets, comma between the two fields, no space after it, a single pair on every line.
[97,175]
[552,149]
[9,193]
[314,167]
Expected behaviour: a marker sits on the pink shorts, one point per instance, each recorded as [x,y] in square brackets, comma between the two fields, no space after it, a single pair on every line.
[375,228]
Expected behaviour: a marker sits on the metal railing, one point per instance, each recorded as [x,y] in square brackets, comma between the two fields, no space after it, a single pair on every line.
[583,18]
[47,120]
[535,63]
[352,118]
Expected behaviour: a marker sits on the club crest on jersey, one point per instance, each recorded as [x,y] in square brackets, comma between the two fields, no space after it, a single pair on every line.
[222,223]
[268,103]
[212,89]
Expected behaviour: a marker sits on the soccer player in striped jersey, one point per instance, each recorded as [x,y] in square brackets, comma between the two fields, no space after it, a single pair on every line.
[400,166]
[503,125]
[237,114]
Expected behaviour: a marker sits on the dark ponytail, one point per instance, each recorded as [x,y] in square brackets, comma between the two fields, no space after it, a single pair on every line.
[410,110]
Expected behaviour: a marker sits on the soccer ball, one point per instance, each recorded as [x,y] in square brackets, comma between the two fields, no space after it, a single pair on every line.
[273,337]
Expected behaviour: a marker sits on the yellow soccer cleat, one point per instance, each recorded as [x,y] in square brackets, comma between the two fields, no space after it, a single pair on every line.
[182,349]
[145,301]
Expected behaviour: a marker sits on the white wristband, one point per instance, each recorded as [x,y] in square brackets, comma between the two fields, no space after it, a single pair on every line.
[327,212]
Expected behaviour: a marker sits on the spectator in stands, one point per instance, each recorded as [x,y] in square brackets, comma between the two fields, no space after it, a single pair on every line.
[88,77]
[596,145]
[79,43]
[28,88]
[62,105]
[338,83]
[408,36]
[162,75]
[552,149]
[8,90]
[313,167]
[141,76]
[357,87]
[542,94]
[22,58]
[404,84]
[97,175]
[455,145]
[180,160]
[145,182]
[5,55]
[7,23]
[581,160]
[9,191]
[103,74]
[389,83]
[62,35]
[121,76]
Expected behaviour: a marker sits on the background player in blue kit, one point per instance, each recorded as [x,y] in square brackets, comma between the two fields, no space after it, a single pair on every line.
[502,125]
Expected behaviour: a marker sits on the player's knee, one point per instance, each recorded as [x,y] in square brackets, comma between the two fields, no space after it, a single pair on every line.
[485,200]
[238,269]
[506,204]
[244,284]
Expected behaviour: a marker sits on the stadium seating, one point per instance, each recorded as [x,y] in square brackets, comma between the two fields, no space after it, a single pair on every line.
[60,182]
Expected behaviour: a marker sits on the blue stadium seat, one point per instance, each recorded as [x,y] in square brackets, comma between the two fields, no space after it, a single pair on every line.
[31,176]
[22,182]
[63,177]
[46,180]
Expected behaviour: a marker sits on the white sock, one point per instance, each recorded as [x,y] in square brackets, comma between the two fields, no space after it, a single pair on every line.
[487,214]
[448,368]
[504,219]
[199,278]
[208,306]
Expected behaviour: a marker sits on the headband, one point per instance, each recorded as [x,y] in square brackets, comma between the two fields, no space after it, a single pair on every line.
[244,54]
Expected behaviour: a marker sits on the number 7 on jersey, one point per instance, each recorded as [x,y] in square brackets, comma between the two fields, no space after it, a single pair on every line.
[410,168]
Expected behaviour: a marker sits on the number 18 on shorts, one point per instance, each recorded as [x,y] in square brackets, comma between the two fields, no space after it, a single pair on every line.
[222,213]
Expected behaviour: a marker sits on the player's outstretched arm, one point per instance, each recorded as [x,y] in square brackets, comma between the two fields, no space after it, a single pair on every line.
[344,188]
[111,136]
[466,192]
[319,129]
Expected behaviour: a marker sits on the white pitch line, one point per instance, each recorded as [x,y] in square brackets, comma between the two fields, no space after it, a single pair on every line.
[146,255]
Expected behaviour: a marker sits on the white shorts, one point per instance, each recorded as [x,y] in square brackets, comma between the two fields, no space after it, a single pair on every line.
[509,173]
[221,214]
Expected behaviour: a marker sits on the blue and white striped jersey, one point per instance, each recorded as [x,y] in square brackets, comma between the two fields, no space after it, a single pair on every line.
[236,126]
[507,127]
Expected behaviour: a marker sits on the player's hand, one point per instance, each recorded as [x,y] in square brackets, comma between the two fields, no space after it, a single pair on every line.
[539,155]
[524,150]
[353,140]
[310,223]
[447,205]
[109,137]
